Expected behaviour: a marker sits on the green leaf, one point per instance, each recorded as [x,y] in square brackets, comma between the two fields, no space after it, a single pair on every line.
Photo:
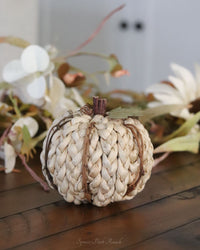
[185,128]
[145,115]
[184,143]
[122,113]
[26,135]
[114,64]
[14,102]
[29,144]
[150,113]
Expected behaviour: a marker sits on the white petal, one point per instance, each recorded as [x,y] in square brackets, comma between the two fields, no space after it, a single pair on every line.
[180,86]
[36,89]
[154,104]
[13,71]
[161,88]
[56,89]
[10,157]
[34,58]
[63,106]
[197,74]
[67,104]
[54,94]
[21,92]
[185,114]
[56,103]
[30,122]
[49,69]
[167,99]
[77,98]
[186,76]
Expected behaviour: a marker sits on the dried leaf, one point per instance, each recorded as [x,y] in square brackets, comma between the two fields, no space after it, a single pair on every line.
[122,113]
[146,114]
[73,80]
[150,113]
[62,70]
[15,41]
[185,128]
[184,143]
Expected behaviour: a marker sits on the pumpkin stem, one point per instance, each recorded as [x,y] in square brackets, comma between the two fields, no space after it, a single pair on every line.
[99,105]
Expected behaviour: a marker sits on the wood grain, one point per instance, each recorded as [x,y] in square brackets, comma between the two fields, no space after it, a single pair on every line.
[54,216]
[25,198]
[15,180]
[129,227]
[34,219]
[183,238]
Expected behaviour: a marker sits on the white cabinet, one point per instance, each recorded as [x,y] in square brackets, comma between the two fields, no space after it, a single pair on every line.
[175,36]
[155,33]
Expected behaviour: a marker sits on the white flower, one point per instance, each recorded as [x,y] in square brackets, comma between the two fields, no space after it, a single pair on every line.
[59,100]
[29,122]
[9,150]
[185,88]
[27,75]
[10,157]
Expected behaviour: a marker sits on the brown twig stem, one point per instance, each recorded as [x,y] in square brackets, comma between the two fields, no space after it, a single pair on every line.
[93,35]
[33,174]
[99,106]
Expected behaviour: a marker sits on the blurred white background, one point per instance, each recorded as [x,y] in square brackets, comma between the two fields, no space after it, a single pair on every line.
[147,35]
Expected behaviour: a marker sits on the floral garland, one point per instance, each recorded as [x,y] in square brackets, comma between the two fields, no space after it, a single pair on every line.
[39,86]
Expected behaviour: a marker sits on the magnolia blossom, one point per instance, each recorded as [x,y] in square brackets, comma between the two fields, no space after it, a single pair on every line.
[10,149]
[183,88]
[27,75]
[59,99]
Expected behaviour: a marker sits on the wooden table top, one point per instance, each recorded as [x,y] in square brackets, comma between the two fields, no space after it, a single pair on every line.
[165,215]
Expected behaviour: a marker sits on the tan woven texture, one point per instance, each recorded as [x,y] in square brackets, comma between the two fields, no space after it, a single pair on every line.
[113,160]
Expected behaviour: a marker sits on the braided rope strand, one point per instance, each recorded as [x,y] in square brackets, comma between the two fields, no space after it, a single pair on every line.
[97,159]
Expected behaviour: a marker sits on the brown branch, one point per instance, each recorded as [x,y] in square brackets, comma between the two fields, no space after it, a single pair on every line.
[161,158]
[5,133]
[33,174]
[97,30]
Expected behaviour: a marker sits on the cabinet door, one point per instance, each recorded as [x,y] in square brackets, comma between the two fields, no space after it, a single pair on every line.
[147,35]
[174,36]
[67,24]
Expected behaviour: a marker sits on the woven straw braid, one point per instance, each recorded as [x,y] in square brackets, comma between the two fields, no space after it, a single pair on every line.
[114,166]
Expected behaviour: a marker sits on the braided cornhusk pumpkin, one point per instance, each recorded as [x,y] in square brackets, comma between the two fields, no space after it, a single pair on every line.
[93,158]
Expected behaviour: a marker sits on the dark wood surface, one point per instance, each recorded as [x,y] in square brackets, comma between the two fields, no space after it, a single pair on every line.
[165,215]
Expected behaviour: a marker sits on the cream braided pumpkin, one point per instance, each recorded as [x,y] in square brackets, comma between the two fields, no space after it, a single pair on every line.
[93,158]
